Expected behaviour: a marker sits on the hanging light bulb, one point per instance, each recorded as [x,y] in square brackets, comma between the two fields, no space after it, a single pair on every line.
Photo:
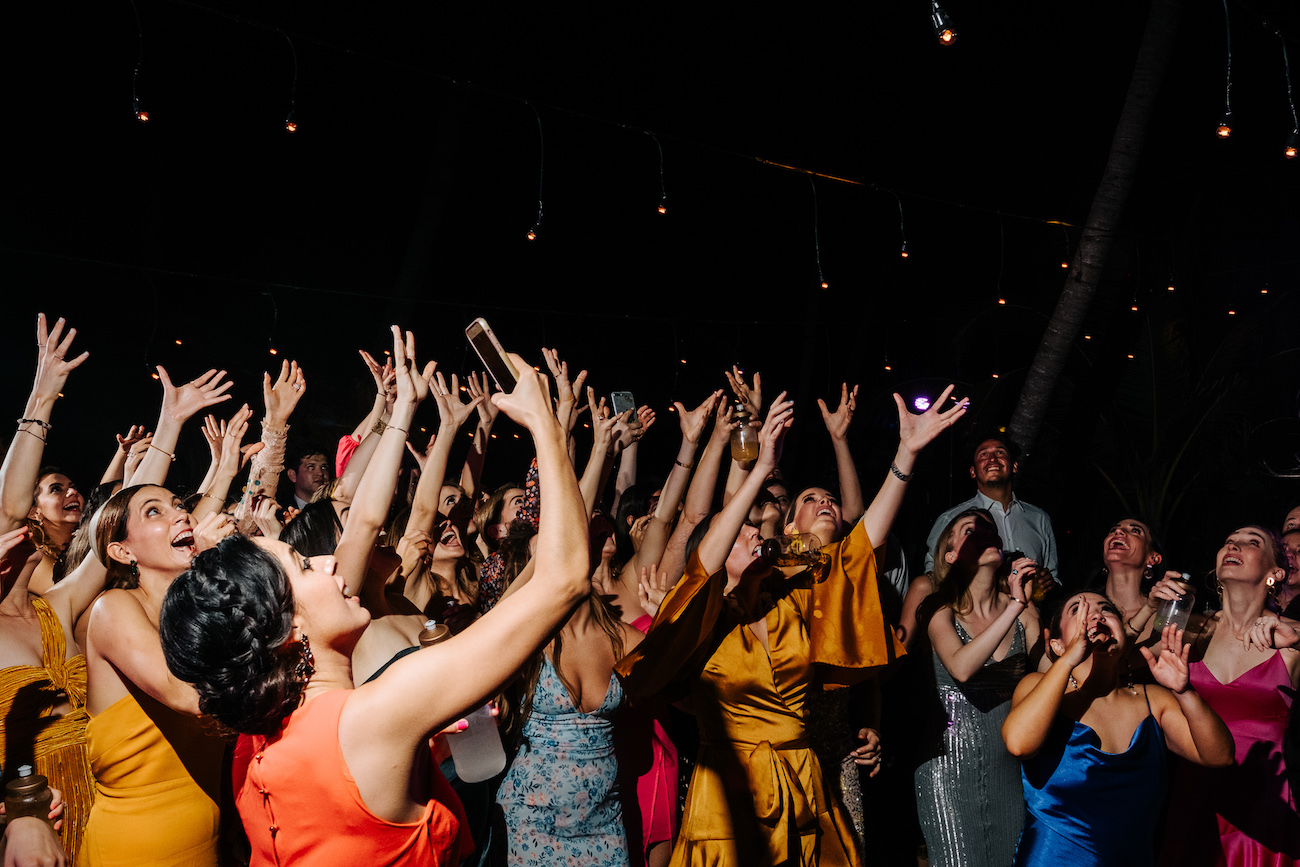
[1225,125]
[1002,301]
[943,29]
[663,205]
[903,252]
[1171,287]
[825,285]
[1065,264]
[273,351]
[532,234]
[1292,144]
[142,115]
[290,123]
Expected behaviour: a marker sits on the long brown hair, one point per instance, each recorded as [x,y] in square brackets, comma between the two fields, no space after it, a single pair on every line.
[954,579]
[517,705]
[112,528]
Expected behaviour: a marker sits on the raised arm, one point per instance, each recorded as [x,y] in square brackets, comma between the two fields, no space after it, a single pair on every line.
[393,714]
[231,457]
[280,397]
[915,432]
[837,425]
[1037,698]
[452,413]
[655,540]
[472,472]
[717,542]
[375,493]
[1191,728]
[116,470]
[179,406]
[594,476]
[22,464]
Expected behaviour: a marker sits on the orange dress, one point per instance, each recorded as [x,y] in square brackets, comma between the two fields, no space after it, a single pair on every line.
[757,796]
[32,734]
[157,780]
[301,806]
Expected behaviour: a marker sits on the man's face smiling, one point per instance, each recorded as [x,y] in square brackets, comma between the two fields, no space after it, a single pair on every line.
[992,464]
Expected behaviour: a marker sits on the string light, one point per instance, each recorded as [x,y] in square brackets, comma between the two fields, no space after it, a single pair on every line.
[1002,256]
[902,227]
[663,192]
[1263,291]
[178,343]
[290,121]
[140,114]
[1065,262]
[1225,122]
[273,351]
[1171,287]
[541,169]
[1087,337]
[817,243]
[1232,312]
[995,376]
[1293,140]
[943,29]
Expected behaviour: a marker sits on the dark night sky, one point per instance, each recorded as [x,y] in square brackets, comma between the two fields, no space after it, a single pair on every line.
[406,194]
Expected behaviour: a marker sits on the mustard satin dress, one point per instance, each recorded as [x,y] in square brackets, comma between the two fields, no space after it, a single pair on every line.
[30,733]
[757,796]
[157,781]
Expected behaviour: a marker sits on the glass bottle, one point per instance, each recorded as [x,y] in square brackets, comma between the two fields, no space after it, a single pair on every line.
[28,795]
[1175,611]
[744,438]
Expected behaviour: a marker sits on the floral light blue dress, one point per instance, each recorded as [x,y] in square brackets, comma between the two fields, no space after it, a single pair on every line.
[560,796]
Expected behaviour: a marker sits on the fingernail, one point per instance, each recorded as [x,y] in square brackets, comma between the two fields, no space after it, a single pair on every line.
[462,725]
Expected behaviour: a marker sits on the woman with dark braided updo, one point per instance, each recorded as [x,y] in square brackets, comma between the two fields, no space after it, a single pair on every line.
[329,773]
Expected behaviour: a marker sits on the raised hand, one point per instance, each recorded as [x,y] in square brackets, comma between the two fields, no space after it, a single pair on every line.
[750,397]
[412,385]
[652,588]
[837,423]
[17,550]
[211,529]
[478,388]
[131,437]
[52,362]
[180,404]
[281,396]
[694,422]
[915,432]
[136,455]
[264,516]
[568,395]
[772,435]
[1169,668]
[1020,581]
[232,436]
[529,404]
[452,411]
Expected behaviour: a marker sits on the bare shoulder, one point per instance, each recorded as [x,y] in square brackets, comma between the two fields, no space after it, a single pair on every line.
[631,637]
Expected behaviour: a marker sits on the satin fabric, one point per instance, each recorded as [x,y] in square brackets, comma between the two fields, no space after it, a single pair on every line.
[1089,808]
[757,796]
[30,734]
[1243,815]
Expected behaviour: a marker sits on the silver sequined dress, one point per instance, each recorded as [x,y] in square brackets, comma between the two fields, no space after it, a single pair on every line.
[968,793]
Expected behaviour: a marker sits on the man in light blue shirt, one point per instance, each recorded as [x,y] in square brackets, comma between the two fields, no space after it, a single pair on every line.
[1022,527]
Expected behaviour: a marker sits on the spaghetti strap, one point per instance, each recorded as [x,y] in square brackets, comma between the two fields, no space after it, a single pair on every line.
[1147,696]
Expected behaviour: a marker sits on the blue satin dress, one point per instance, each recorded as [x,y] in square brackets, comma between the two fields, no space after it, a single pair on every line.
[1089,808]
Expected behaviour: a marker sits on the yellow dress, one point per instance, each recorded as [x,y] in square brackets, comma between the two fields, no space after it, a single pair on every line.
[757,795]
[157,781]
[32,735]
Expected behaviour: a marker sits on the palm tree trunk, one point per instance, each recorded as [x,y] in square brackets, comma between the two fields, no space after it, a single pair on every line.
[1103,222]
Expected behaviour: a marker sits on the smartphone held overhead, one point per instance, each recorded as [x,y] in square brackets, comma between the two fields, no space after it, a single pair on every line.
[494,357]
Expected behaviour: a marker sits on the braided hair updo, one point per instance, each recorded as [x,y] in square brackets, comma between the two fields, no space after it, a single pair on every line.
[227,627]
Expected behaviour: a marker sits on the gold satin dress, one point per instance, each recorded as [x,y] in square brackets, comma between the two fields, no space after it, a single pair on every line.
[157,780]
[757,796]
[30,733]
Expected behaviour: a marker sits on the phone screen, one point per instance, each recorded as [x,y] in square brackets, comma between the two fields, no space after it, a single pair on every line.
[494,358]
[620,402]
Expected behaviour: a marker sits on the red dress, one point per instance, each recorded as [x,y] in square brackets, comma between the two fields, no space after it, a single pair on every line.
[300,805]
[1242,815]
[648,767]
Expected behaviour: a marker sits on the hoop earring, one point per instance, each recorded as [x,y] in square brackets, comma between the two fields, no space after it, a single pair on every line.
[1148,572]
[306,666]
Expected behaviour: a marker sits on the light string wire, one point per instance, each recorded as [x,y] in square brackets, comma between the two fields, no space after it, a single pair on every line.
[290,121]
[541,169]
[817,242]
[663,190]
[902,227]
[139,61]
[1227,26]
[1286,66]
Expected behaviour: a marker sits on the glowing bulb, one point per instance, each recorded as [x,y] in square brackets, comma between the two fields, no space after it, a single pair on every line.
[1065,264]
[663,206]
[683,361]
[922,403]
[1134,308]
[154,375]
[1261,292]
[532,234]
[1290,152]
[142,116]
[995,376]
[825,285]
[1002,301]
[903,251]
[178,343]
[273,352]
[1130,355]
[1232,312]
[948,37]
[1171,287]
[1087,337]
[943,29]
[1225,125]
[516,436]
[291,126]
[887,367]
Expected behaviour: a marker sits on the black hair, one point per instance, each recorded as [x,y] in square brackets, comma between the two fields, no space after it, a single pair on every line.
[634,503]
[79,545]
[983,436]
[1058,614]
[314,531]
[225,626]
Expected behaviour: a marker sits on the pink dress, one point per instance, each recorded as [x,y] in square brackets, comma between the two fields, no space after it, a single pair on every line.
[1242,815]
[648,756]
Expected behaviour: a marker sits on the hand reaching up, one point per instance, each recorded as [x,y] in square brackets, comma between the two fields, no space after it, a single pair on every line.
[837,423]
[52,362]
[751,397]
[281,396]
[915,432]
[181,404]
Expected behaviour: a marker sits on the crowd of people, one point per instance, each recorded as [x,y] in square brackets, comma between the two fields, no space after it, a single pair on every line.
[708,666]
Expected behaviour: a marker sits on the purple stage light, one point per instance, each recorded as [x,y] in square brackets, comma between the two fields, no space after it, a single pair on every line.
[922,403]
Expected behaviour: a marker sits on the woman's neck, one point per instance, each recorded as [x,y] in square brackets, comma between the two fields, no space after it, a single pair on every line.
[1096,675]
[1124,588]
[150,590]
[333,670]
[983,591]
[1242,603]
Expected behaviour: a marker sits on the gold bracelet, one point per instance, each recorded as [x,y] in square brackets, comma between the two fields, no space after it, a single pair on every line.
[395,427]
[167,453]
[684,466]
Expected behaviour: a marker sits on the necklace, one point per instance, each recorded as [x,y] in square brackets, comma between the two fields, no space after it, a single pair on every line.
[1074,684]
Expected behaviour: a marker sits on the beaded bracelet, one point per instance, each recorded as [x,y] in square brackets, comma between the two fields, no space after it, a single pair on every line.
[37,422]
